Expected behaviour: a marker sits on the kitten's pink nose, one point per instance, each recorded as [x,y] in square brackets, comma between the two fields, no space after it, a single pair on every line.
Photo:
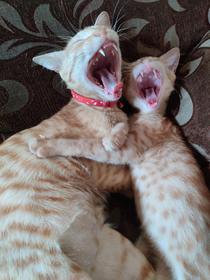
[101,33]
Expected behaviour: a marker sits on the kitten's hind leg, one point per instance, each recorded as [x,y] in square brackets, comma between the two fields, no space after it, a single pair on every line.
[162,271]
[118,258]
[103,252]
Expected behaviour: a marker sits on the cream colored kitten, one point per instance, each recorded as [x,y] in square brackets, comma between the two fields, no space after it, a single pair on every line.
[43,203]
[172,199]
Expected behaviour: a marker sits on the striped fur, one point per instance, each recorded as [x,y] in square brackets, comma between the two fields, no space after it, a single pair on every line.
[45,202]
[172,199]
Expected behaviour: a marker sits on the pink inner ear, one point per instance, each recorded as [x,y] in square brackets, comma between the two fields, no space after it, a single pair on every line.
[171,58]
[103,20]
[172,63]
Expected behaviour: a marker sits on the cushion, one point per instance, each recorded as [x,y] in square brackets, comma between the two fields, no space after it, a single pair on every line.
[30,94]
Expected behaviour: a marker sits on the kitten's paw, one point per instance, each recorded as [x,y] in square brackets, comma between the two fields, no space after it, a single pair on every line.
[42,147]
[45,151]
[116,138]
[32,145]
[112,143]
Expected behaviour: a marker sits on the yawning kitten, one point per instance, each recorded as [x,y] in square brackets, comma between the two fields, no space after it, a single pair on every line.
[172,199]
[44,203]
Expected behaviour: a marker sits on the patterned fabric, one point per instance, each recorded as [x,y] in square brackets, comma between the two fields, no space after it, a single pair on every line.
[29,93]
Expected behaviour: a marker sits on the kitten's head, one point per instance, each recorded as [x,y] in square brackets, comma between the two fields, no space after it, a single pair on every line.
[91,62]
[149,81]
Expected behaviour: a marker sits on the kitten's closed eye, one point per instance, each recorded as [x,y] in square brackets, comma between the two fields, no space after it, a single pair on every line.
[78,41]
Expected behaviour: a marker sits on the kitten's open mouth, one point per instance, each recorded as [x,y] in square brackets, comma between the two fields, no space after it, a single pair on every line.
[149,82]
[103,70]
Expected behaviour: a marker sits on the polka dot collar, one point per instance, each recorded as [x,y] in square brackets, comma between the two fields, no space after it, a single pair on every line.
[91,101]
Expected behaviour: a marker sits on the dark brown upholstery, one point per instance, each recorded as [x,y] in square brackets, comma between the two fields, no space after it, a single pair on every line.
[29,93]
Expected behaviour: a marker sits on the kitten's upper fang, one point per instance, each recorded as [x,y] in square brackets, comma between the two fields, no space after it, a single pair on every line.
[115,47]
[102,52]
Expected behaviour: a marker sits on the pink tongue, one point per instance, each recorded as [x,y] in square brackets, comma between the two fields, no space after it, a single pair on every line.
[151,98]
[109,82]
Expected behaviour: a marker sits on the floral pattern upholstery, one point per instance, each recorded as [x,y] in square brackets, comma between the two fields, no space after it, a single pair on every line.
[29,93]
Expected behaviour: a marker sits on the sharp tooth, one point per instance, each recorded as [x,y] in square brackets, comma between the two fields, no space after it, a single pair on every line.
[115,47]
[114,74]
[102,52]
[96,59]
[140,78]
[112,52]
[93,63]
[96,81]
[155,74]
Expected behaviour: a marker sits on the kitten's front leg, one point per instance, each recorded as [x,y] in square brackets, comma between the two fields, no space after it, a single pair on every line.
[117,137]
[88,148]
[44,147]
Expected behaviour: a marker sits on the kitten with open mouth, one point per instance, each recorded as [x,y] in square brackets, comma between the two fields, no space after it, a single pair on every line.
[103,70]
[148,85]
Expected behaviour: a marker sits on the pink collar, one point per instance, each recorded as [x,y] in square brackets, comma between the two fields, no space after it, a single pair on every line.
[91,101]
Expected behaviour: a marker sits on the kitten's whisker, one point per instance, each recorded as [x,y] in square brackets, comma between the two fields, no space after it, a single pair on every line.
[118,29]
[93,22]
[65,37]
[122,38]
[62,38]
[178,93]
[76,30]
[181,79]
[114,13]
[123,29]
[60,83]
[118,19]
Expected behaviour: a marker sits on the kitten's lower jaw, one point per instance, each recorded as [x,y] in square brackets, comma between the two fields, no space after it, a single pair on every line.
[148,87]
[104,71]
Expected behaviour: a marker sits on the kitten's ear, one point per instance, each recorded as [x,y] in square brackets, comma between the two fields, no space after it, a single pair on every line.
[51,61]
[171,58]
[103,20]
[125,67]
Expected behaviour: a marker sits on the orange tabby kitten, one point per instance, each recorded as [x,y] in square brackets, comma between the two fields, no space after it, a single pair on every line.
[57,203]
[172,199]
